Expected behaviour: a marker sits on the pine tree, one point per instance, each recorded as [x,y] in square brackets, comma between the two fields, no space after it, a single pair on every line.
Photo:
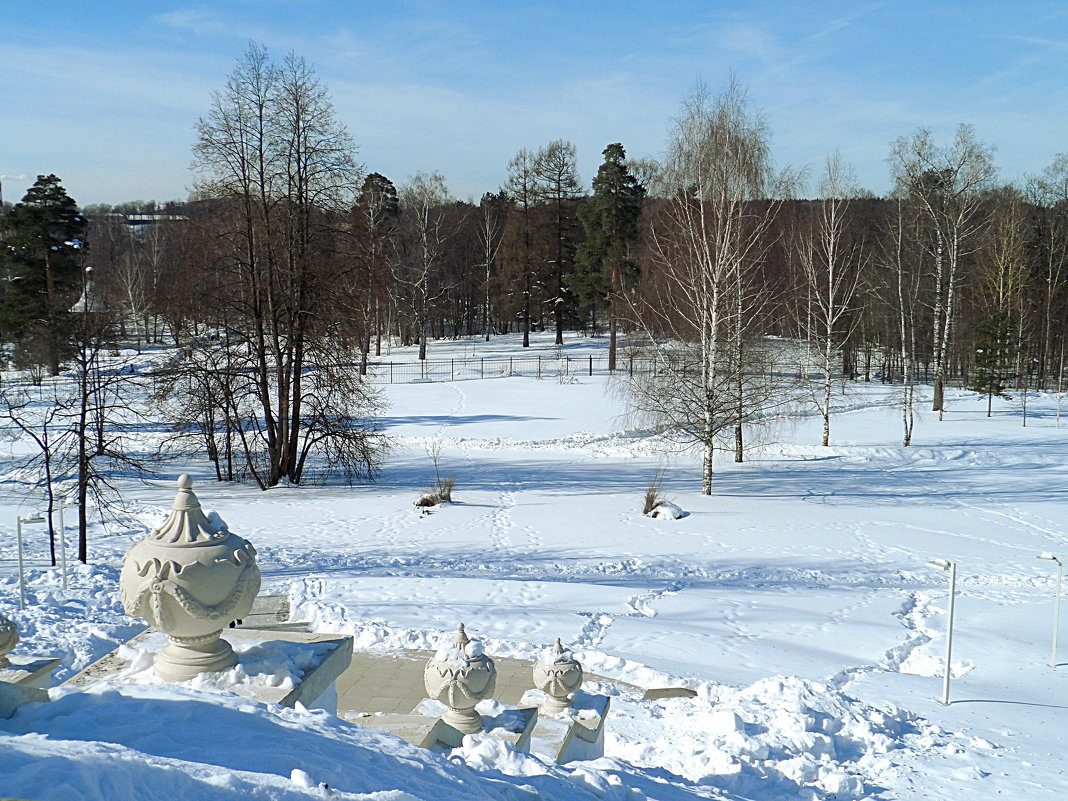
[995,355]
[42,262]
[558,186]
[604,267]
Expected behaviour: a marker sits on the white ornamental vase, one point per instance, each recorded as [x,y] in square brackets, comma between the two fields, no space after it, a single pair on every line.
[460,675]
[9,638]
[190,578]
[557,674]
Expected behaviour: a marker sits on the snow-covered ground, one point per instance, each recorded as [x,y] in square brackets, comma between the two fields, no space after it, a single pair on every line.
[795,600]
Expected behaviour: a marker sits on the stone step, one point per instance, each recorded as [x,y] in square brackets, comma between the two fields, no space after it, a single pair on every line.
[392,682]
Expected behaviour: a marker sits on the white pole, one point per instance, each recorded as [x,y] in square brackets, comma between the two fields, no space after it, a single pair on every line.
[949,631]
[63,541]
[22,575]
[1057,613]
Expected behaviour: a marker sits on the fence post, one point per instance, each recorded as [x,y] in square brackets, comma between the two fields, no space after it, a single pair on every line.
[391,372]
[482,367]
[452,369]
[591,364]
[509,366]
[539,368]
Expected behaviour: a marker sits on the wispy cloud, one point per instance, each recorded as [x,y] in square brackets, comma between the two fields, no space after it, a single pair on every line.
[201,22]
[839,23]
[207,24]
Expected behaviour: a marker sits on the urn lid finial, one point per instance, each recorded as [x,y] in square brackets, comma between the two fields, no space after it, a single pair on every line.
[187,524]
[461,639]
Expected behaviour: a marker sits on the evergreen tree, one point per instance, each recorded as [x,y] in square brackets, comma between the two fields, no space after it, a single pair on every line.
[995,355]
[604,267]
[41,259]
[375,221]
[558,185]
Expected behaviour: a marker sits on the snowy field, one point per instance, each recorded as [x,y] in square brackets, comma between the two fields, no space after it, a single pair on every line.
[795,600]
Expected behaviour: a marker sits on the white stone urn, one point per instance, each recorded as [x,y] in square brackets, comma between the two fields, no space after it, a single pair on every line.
[460,675]
[9,638]
[557,674]
[190,578]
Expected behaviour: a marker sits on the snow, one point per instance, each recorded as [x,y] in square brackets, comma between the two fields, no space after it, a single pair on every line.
[666,511]
[795,601]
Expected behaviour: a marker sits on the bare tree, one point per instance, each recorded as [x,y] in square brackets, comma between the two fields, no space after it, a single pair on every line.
[492,211]
[375,224]
[1049,193]
[426,228]
[707,240]
[830,260]
[283,175]
[905,287]
[946,184]
[1001,280]
[522,271]
[39,419]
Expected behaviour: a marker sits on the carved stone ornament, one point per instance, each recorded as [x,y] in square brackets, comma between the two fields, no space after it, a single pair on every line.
[190,578]
[9,638]
[460,675]
[557,674]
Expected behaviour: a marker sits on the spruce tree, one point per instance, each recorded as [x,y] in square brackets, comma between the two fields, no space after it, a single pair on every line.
[41,259]
[604,267]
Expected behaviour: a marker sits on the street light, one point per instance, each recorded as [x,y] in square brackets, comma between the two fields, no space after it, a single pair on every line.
[22,574]
[1056,603]
[945,564]
[63,504]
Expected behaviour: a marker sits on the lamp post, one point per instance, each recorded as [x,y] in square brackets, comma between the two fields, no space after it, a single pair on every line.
[1056,604]
[63,504]
[22,573]
[945,564]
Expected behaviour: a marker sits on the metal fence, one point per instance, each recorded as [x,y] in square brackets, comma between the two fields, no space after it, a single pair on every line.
[536,366]
[495,367]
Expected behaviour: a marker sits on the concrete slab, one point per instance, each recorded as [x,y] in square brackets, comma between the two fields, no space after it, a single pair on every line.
[271,613]
[656,693]
[29,671]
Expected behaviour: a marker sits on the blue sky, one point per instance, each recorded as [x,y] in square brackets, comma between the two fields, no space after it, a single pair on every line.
[106,94]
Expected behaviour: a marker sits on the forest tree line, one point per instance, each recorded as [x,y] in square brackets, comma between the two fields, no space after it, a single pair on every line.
[290,268]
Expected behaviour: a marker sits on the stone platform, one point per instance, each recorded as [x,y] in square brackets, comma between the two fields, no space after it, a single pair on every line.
[314,689]
[23,680]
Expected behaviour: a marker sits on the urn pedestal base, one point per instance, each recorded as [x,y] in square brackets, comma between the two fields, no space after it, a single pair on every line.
[183,658]
[555,705]
[575,734]
[467,721]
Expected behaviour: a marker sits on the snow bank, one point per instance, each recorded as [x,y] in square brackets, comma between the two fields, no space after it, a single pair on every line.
[777,738]
[179,742]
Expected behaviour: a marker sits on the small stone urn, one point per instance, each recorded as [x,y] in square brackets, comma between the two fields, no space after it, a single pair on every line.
[557,674]
[460,675]
[190,578]
[9,638]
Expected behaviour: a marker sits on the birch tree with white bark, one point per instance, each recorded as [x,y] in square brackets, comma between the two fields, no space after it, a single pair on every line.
[708,237]
[946,184]
[831,260]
